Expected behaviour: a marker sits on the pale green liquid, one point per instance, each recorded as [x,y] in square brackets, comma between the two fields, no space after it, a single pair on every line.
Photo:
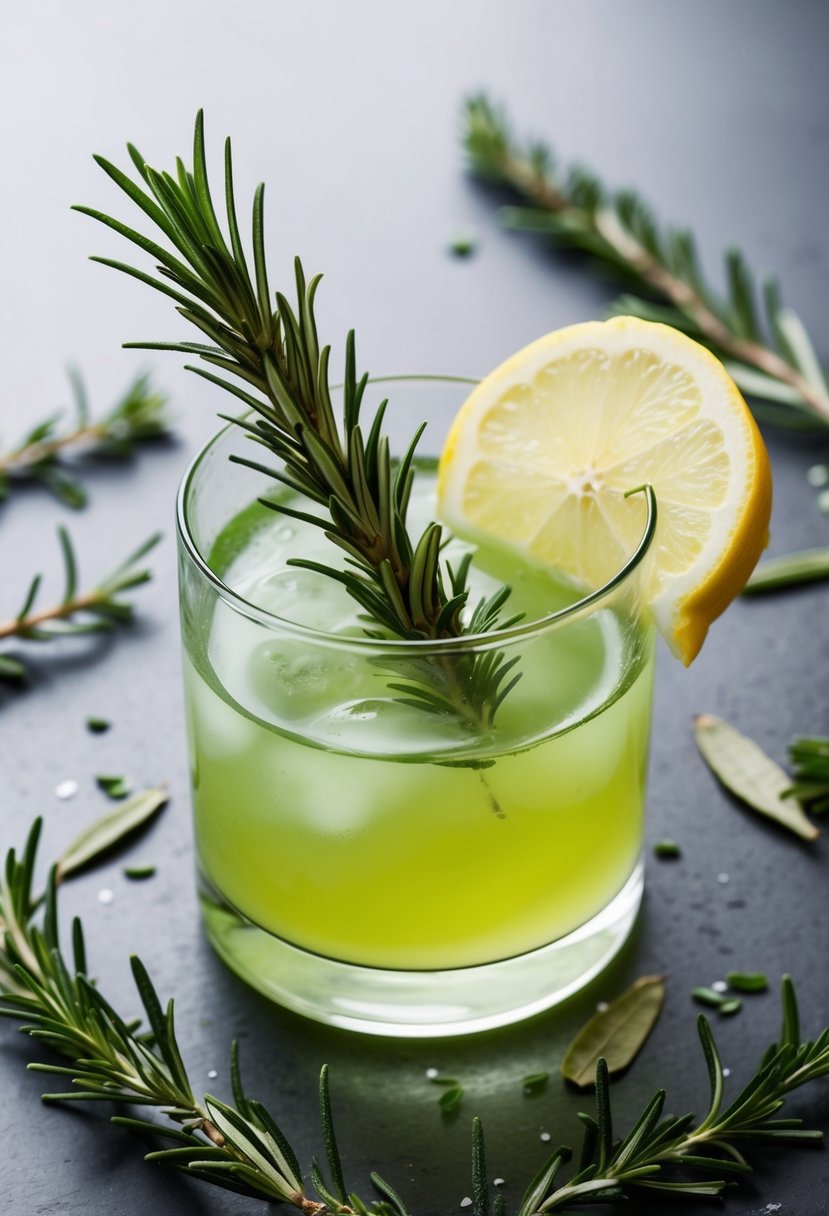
[355,827]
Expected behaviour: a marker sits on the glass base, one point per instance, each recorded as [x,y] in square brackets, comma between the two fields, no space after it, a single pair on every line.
[419,1004]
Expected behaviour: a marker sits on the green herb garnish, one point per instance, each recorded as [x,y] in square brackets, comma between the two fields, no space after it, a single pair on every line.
[111,1059]
[94,611]
[139,415]
[667,849]
[535,1082]
[97,726]
[771,357]
[358,497]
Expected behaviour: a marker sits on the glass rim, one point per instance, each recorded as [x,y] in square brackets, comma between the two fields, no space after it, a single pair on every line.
[402,646]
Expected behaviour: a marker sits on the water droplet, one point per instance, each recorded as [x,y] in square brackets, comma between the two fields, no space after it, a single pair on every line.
[212,1073]
[466,1202]
[66,789]
[431,1073]
[722,878]
[719,986]
[602,1007]
[818,476]
[105,896]
[545,1136]
[497,1181]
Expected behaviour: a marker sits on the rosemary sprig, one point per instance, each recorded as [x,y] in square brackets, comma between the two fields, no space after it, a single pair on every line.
[273,349]
[243,1148]
[77,612]
[140,414]
[766,348]
[809,760]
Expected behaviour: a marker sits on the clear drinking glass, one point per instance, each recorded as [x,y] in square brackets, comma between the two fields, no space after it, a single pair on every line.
[365,862]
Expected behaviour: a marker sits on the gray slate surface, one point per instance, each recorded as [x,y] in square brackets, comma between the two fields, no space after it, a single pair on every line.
[719,113]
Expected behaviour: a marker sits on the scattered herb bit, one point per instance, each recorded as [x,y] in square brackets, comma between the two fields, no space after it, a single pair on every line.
[440,1079]
[667,849]
[616,1034]
[138,416]
[749,774]
[97,726]
[775,573]
[747,981]
[119,1061]
[709,996]
[730,1007]
[535,1082]
[450,1099]
[138,873]
[463,244]
[114,787]
[110,831]
[11,669]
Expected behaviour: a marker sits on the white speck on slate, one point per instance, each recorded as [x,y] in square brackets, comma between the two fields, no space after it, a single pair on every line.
[431,1073]
[545,1136]
[66,789]
[723,878]
[105,896]
[726,1072]
[212,1074]
[720,986]
[466,1202]
[818,475]
[823,501]
[772,1207]
[602,1007]
[497,1181]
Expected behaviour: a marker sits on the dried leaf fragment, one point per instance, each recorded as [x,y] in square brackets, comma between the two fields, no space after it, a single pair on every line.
[749,774]
[110,830]
[616,1033]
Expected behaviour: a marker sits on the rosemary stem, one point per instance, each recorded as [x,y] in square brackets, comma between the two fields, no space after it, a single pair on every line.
[690,302]
[31,454]
[521,175]
[20,626]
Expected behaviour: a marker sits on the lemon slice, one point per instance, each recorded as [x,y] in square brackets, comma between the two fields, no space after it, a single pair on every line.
[541,454]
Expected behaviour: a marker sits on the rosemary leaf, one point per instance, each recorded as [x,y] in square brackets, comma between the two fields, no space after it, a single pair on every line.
[615,1034]
[791,570]
[750,775]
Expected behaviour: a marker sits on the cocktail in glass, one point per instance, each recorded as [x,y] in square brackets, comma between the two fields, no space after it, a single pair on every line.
[369,863]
